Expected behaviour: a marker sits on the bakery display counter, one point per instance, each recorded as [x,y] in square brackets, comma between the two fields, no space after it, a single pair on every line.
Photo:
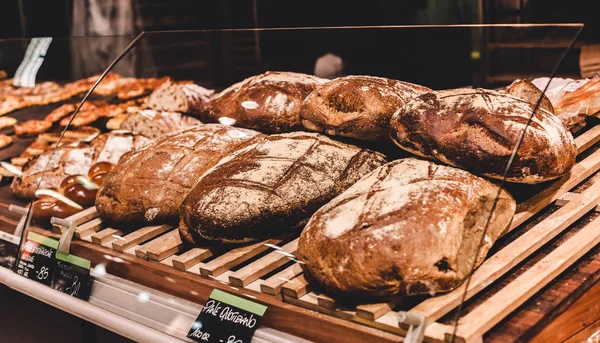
[358,209]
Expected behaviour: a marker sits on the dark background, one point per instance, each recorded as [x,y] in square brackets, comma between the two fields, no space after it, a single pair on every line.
[438,58]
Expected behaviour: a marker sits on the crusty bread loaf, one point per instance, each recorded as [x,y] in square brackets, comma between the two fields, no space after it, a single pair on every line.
[527,91]
[477,129]
[152,123]
[357,106]
[149,184]
[182,97]
[268,102]
[409,227]
[272,186]
[72,159]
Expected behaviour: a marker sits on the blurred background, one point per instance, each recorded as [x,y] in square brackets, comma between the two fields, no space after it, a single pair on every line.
[477,56]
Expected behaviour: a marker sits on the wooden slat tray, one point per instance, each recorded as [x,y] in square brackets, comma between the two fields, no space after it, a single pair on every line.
[270,266]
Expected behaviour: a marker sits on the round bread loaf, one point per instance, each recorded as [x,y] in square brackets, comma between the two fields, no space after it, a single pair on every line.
[357,106]
[148,185]
[409,227]
[272,186]
[268,102]
[477,129]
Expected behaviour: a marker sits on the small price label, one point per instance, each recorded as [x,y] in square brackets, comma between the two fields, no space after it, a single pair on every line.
[9,248]
[37,258]
[72,275]
[226,318]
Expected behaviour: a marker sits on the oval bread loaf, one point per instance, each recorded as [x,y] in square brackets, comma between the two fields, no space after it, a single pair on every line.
[268,102]
[477,129]
[272,186]
[148,185]
[409,227]
[357,106]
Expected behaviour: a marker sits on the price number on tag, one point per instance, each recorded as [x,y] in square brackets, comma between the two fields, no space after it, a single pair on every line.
[75,286]
[232,339]
[43,274]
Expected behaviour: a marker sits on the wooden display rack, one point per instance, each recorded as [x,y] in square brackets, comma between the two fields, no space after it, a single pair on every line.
[269,272]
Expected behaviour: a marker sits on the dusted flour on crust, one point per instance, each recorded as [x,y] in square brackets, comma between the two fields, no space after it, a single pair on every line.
[268,102]
[477,129]
[409,227]
[272,186]
[357,106]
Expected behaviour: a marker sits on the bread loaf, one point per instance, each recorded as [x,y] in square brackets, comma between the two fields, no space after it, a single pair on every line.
[180,97]
[72,159]
[152,124]
[409,227]
[527,91]
[357,106]
[268,102]
[477,129]
[149,184]
[272,186]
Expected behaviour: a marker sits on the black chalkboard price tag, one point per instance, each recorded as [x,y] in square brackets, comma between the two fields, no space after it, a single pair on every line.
[72,275]
[9,249]
[226,318]
[37,258]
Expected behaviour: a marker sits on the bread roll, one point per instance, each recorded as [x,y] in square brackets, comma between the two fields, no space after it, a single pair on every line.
[180,97]
[477,129]
[409,227]
[272,186]
[148,185]
[268,102]
[72,159]
[357,106]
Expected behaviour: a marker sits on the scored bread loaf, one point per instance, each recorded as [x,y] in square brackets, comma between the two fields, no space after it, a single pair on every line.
[268,102]
[409,227]
[148,185]
[272,186]
[182,97]
[152,123]
[357,106]
[527,91]
[477,129]
[72,159]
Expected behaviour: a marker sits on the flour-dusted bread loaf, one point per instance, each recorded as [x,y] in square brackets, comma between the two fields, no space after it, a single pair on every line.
[272,186]
[148,185]
[477,129]
[409,227]
[182,97]
[527,91]
[357,106]
[268,102]
[73,159]
[152,123]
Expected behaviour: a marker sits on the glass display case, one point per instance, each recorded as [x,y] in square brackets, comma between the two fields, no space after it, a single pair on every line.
[363,183]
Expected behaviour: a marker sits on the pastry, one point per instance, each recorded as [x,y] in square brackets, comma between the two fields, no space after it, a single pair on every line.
[6,122]
[32,127]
